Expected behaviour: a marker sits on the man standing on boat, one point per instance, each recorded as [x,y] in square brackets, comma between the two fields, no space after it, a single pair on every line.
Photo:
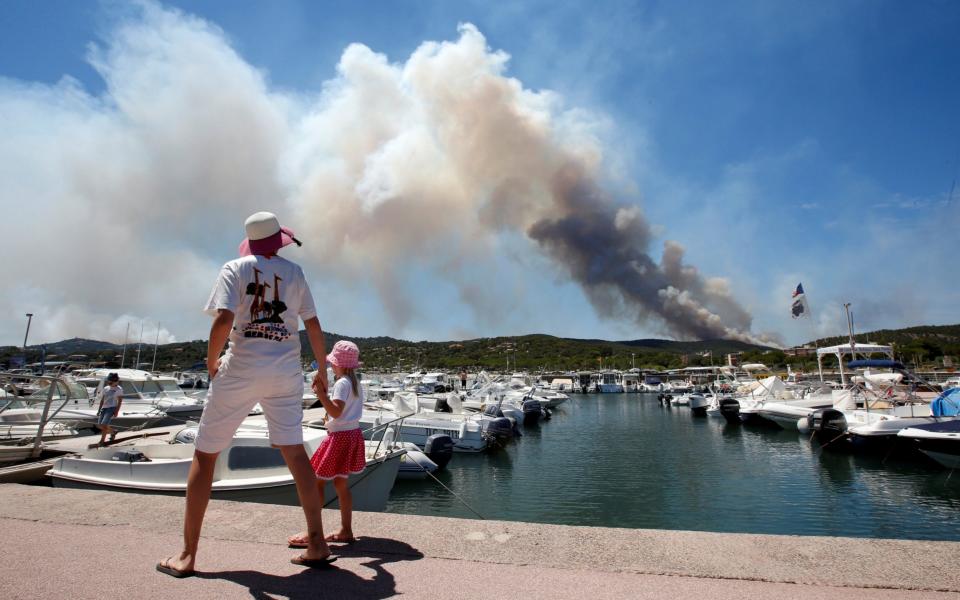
[256,302]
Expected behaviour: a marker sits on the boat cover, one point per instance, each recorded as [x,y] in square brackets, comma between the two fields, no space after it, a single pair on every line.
[876,363]
[946,404]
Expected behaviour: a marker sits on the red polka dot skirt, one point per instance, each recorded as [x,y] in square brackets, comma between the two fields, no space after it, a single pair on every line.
[341,454]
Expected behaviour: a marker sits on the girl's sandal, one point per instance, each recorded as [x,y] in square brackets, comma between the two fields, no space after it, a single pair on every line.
[298,541]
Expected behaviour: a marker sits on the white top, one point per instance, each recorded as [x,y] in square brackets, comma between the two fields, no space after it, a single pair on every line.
[267,296]
[352,406]
[111,396]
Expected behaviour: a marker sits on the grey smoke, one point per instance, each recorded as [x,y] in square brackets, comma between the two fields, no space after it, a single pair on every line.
[148,180]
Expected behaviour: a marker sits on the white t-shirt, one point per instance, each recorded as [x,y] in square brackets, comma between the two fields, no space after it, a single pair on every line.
[111,396]
[267,297]
[352,406]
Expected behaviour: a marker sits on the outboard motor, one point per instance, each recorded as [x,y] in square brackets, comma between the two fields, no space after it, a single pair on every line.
[532,411]
[497,431]
[511,415]
[828,424]
[730,410]
[439,449]
[492,410]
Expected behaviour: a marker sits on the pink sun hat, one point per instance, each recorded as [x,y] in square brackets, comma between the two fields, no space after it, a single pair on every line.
[265,236]
[345,355]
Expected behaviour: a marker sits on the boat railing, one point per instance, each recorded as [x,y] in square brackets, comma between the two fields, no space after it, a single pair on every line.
[393,425]
[54,383]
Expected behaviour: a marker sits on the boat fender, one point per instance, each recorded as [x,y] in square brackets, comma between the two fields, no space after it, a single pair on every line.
[803,425]
[187,435]
[439,449]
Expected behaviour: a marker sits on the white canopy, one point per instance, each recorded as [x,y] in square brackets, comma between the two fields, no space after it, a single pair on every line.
[853,350]
[856,348]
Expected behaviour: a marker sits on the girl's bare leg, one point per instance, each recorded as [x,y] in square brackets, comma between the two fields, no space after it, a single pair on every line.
[345,498]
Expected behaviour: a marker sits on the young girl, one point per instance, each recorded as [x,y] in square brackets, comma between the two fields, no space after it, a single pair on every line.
[342,453]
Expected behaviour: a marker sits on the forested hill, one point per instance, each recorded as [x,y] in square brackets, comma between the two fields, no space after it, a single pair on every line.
[535,351]
[527,352]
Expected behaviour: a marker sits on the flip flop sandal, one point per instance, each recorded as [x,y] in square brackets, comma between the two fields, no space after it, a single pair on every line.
[314,563]
[339,540]
[297,544]
[174,572]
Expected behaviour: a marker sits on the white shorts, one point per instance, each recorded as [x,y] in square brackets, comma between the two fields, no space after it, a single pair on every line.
[231,398]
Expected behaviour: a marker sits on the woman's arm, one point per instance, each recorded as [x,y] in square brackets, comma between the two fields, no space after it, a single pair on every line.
[219,331]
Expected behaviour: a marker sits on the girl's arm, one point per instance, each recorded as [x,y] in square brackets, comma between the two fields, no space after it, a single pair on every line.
[334,408]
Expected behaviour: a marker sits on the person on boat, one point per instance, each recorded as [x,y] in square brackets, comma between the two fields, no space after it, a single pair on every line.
[342,453]
[463,379]
[110,400]
[261,364]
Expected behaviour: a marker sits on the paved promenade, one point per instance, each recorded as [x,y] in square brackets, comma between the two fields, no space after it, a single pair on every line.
[61,544]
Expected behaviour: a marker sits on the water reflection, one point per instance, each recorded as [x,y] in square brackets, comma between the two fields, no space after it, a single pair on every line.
[625,460]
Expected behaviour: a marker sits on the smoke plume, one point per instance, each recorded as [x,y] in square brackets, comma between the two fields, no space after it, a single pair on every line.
[126,198]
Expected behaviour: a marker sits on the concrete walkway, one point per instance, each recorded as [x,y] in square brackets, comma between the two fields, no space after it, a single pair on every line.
[74,544]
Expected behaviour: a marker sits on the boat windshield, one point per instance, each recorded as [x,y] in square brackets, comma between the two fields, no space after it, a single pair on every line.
[170,387]
[64,390]
[149,388]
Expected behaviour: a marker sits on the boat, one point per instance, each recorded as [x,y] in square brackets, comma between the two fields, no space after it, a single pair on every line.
[631,381]
[26,426]
[470,433]
[76,408]
[250,469]
[940,440]
[869,414]
[142,388]
[610,382]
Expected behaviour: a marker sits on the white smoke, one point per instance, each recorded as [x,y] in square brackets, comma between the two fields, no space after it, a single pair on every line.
[125,201]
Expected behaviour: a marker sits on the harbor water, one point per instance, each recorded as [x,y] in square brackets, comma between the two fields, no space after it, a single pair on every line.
[625,460]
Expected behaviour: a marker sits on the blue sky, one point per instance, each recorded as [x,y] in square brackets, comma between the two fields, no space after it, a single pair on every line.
[776,142]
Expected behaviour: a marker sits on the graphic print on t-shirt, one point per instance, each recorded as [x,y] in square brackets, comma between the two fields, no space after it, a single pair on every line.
[265,315]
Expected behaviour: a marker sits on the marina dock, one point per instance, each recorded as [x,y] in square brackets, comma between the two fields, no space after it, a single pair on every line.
[84,544]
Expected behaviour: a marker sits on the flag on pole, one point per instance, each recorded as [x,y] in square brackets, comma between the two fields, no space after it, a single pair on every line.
[799,308]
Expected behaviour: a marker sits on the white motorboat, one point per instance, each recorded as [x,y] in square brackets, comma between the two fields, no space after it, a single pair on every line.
[789,413]
[73,407]
[941,440]
[468,432]
[149,391]
[248,470]
[869,415]
[610,382]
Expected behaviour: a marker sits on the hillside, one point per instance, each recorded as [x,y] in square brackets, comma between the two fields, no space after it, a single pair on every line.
[529,352]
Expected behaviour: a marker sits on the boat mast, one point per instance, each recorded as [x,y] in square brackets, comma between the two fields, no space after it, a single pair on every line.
[155,344]
[139,343]
[853,343]
[123,357]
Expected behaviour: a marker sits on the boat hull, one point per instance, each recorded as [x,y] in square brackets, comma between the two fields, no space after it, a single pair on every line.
[371,488]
